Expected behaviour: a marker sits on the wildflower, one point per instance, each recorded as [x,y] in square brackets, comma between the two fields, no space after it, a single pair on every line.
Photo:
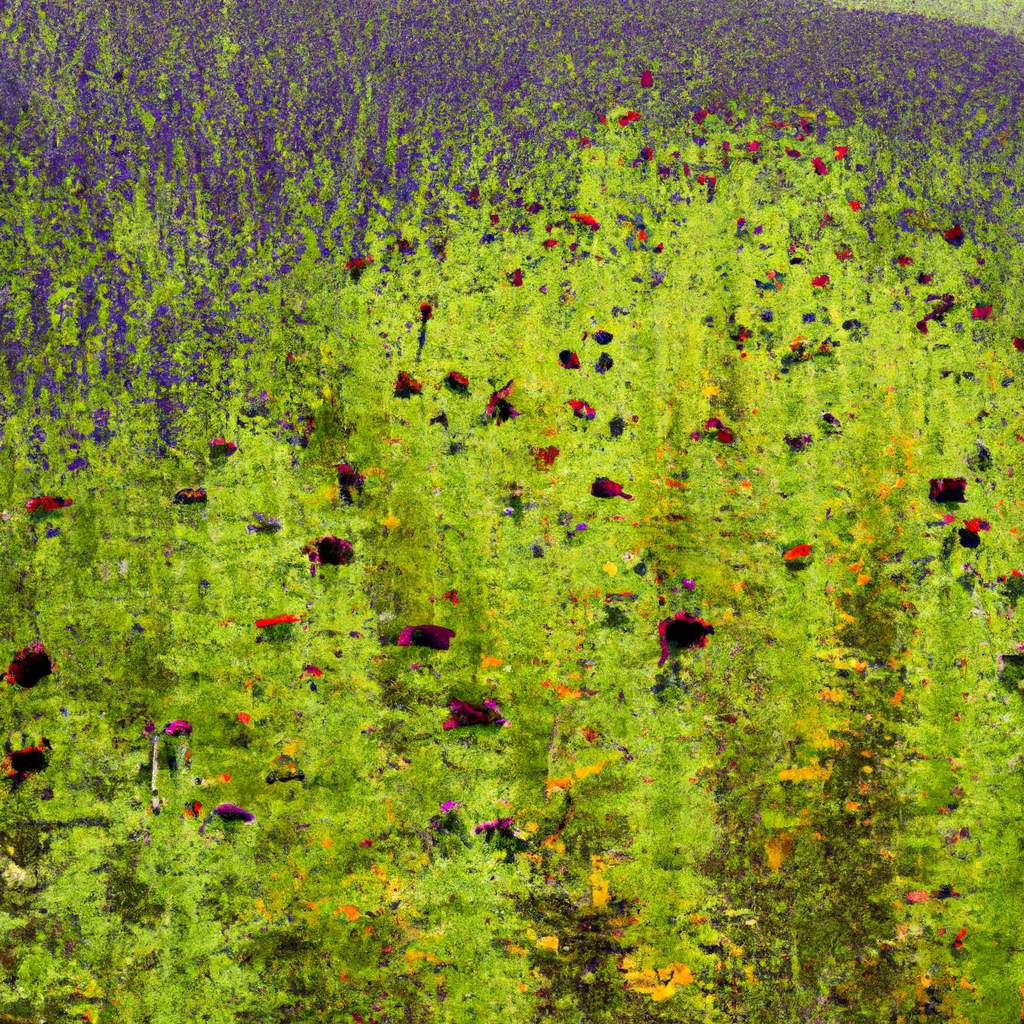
[29,666]
[581,409]
[568,359]
[47,503]
[457,382]
[190,496]
[602,487]
[947,489]
[465,714]
[682,632]
[437,638]
[406,386]
[348,481]
[221,448]
[499,408]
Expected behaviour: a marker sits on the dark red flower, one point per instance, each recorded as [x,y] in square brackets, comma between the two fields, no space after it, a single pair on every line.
[568,359]
[426,311]
[549,243]
[904,261]
[1018,344]
[602,487]
[981,312]
[516,278]
[406,386]
[465,714]
[29,666]
[820,281]
[646,79]
[330,550]
[544,456]
[499,408]
[682,632]
[954,235]
[457,382]
[628,118]
[348,480]
[18,765]
[947,489]
[820,167]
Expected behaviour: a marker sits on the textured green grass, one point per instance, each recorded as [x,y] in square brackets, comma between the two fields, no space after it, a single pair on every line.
[745,821]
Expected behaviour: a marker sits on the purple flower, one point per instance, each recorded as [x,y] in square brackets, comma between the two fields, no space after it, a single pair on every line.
[232,812]
[463,714]
[179,727]
[436,638]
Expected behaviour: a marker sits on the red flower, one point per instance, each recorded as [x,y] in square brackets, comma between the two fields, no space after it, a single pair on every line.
[426,311]
[628,118]
[819,165]
[954,235]
[904,261]
[582,409]
[244,717]
[840,151]
[1018,344]
[792,152]
[549,243]
[646,80]
[568,360]
[586,141]
[753,147]
[981,312]
[855,205]
[844,254]
[820,281]
[457,382]
[587,220]
[29,666]
[725,435]
[544,456]
[277,620]
[406,386]
[47,503]
[800,551]
[219,446]
[516,278]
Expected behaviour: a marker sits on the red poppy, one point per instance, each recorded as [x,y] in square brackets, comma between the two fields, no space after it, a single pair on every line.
[753,147]
[568,360]
[457,382]
[819,165]
[29,665]
[426,310]
[406,386]
[699,115]
[222,447]
[820,281]
[277,620]
[358,264]
[549,243]
[855,205]
[981,312]
[646,80]
[47,503]
[840,151]
[844,254]
[582,409]
[725,435]
[244,717]
[516,278]
[628,118]
[904,261]
[954,235]
[800,551]
[544,456]
[1018,344]
[587,220]
[792,152]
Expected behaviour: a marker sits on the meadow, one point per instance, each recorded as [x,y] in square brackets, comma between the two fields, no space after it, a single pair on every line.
[550,558]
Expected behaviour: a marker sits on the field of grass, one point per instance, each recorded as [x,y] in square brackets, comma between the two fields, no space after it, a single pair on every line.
[587,807]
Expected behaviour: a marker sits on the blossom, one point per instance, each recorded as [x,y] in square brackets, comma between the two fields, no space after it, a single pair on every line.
[190,496]
[232,812]
[177,727]
[349,480]
[406,386]
[457,382]
[466,714]
[329,550]
[437,638]
[602,487]
[499,408]
[219,446]
[682,632]
[277,620]
[947,488]
[47,503]
[29,666]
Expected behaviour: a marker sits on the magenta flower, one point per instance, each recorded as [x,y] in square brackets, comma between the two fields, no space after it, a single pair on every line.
[463,714]
[682,632]
[436,638]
